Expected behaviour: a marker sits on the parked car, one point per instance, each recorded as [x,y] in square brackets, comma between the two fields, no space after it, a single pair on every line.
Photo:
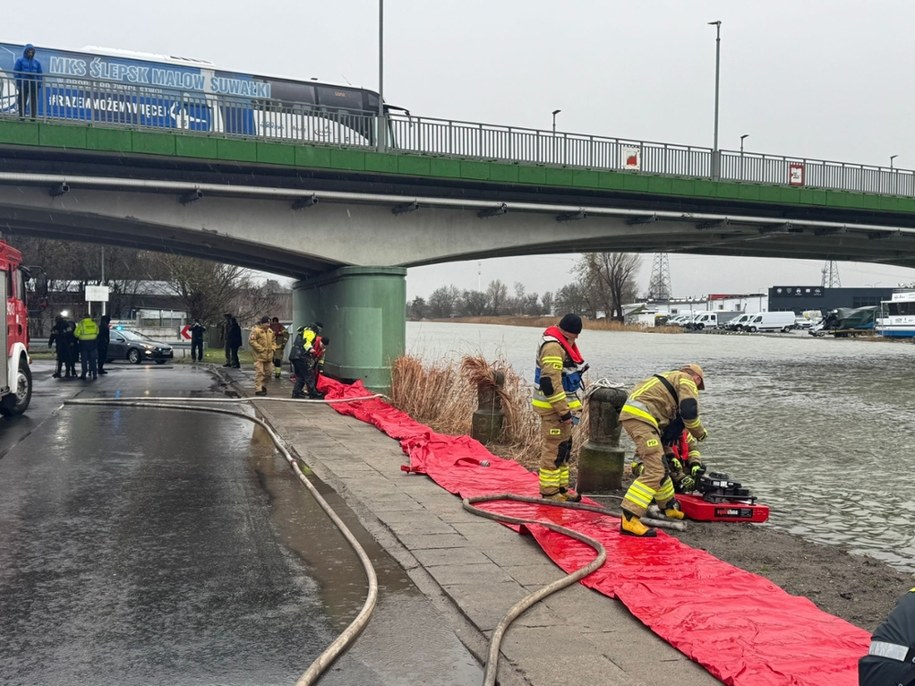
[803,323]
[136,348]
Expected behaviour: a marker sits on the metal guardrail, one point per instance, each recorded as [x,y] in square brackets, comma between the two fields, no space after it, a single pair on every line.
[108,103]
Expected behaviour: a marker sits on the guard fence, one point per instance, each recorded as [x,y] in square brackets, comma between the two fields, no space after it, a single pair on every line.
[100,102]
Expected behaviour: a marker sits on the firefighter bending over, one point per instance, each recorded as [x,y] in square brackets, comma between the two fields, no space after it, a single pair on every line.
[557,379]
[655,414]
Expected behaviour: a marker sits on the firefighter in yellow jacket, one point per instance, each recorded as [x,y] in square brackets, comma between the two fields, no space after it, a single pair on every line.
[654,416]
[557,379]
[281,337]
[263,347]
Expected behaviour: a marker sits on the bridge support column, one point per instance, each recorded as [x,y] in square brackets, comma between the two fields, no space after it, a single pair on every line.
[363,310]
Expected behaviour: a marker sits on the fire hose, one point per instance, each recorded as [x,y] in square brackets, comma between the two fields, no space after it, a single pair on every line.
[492,658]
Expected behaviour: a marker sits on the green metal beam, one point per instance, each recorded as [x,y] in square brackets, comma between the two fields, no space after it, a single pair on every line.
[303,156]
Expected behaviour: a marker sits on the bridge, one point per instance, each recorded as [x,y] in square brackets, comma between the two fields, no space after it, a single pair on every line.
[347,214]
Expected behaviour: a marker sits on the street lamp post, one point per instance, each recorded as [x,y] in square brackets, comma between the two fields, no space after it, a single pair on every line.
[380,137]
[893,174]
[742,138]
[716,162]
[555,112]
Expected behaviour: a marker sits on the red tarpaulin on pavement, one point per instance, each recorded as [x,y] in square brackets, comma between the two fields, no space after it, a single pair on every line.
[741,627]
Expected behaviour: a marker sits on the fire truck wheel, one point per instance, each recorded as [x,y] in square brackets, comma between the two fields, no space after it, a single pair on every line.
[16,403]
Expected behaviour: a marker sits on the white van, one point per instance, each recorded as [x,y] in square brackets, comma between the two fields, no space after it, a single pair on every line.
[710,320]
[771,321]
[740,322]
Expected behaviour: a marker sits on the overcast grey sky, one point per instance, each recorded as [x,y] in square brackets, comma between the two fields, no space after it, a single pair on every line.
[826,79]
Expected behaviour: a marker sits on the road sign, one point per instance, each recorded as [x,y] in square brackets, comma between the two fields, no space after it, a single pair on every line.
[186,332]
[97,294]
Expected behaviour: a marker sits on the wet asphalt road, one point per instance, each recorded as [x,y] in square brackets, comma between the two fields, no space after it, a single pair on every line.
[143,546]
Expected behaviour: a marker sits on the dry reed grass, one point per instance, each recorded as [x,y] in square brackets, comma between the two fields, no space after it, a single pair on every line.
[445,396]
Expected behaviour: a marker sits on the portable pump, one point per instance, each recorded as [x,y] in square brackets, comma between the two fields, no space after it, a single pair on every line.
[715,487]
[718,499]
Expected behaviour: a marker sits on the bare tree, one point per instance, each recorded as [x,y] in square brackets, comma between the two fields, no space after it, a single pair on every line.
[573,298]
[609,280]
[473,303]
[547,300]
[497,297]
[443,301]
[208,290]
[417,309]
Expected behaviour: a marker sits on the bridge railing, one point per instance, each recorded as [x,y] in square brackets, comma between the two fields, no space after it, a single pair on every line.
[109,103]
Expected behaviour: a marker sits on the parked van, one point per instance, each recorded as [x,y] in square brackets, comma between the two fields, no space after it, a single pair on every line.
[710,320]
[679,319]
[740,322]
[771,321]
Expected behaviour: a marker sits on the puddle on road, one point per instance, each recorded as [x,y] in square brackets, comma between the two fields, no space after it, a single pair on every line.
[403,618]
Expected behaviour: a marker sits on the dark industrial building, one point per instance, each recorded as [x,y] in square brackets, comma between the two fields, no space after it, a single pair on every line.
[804,298]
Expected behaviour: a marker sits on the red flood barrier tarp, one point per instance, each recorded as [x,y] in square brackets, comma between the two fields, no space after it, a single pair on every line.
[742,628]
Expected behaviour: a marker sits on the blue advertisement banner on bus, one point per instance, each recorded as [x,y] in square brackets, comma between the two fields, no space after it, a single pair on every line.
[125,90]
[101,85]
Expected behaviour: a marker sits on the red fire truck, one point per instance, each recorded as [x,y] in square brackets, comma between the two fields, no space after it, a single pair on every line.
[15,375]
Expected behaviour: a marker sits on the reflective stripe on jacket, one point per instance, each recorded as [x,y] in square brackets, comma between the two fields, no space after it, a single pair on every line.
[650,402]
[553,363]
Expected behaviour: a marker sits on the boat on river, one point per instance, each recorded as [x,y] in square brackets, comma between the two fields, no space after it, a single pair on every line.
[897,315]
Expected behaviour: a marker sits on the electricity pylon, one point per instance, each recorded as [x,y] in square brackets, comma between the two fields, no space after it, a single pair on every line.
[659,286]
[831,275]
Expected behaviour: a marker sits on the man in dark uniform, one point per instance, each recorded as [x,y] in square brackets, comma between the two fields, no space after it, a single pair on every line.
[197,331]
[233,341]
[890,661]
[62,336]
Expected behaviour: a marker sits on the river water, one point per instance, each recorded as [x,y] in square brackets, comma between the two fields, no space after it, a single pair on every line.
[820,429]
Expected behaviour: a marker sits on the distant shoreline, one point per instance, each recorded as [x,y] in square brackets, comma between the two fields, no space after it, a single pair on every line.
[543,322]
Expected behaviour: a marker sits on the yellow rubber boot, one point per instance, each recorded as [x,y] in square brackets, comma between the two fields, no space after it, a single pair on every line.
[630,525]
[672,510]
[555,497]
[571,496]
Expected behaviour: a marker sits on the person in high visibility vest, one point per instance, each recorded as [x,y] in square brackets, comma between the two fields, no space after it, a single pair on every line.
[307,357]
[890,660]
[86,333]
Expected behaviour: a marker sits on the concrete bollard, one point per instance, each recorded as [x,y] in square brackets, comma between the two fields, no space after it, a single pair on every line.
[488,419]
[600,461]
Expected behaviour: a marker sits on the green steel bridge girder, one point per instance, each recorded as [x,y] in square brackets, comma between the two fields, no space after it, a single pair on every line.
[308,157]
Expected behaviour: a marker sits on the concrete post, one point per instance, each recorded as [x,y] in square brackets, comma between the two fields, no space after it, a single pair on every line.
[363,310]
[488,419]
[600,461]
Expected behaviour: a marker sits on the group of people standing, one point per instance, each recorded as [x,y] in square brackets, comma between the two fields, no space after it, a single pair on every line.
[660,414]
[268,340]
[84,341]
